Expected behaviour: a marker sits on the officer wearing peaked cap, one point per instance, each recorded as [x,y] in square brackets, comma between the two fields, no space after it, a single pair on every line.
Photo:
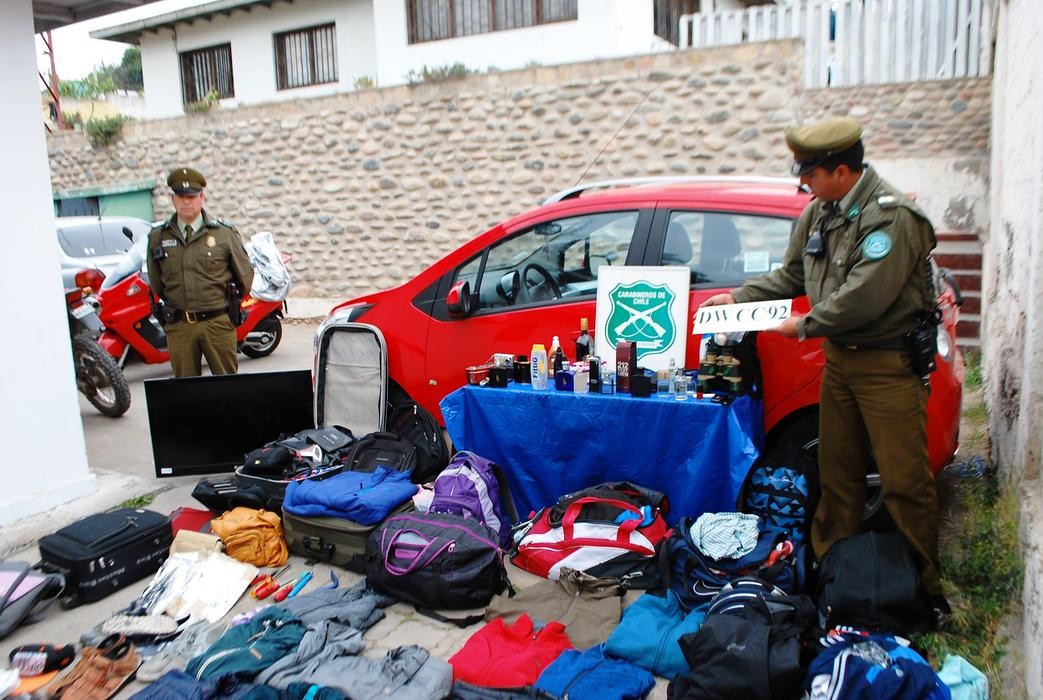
[192,259]
[861,253]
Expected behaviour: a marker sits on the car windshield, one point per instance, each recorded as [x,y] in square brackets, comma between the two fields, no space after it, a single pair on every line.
[131,263]
[94,239]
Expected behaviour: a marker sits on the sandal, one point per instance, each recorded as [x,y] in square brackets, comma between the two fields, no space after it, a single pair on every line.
[102,671]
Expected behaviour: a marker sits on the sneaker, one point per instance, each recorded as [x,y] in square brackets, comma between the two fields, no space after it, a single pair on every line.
[940,612]
[193,641]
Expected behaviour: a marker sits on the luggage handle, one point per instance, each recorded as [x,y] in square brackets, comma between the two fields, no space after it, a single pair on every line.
[419,559]
[316,546]
[568,521]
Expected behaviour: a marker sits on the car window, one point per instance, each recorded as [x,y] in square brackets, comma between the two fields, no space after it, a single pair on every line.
[725,248]
[554,259]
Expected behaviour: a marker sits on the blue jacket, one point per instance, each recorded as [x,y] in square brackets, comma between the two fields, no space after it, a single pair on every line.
[591,674]
[365,497]
[245,650]
[648,633]
[853,675]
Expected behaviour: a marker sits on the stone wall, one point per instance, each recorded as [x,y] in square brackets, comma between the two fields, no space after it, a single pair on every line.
[1012,290]
[929,138]
[367,188]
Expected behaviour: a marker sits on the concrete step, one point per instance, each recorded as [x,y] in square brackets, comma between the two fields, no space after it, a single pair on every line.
[958,261]
[969,280]
[971,302]
[956,236]
[969,325]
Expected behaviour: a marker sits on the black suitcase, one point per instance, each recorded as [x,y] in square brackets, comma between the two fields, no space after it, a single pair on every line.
[107,551]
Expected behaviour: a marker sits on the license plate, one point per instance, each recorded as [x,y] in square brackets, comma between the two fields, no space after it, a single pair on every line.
[82,310]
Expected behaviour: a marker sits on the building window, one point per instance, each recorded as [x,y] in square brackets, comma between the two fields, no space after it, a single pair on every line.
[206,70]
[668,15]
[306,57]
[430,20]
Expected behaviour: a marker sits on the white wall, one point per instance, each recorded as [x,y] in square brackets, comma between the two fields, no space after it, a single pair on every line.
[45,460]
[250,33]
[603,29]
[1012,297]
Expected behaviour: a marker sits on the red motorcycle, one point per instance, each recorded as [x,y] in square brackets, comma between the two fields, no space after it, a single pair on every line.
[131,327]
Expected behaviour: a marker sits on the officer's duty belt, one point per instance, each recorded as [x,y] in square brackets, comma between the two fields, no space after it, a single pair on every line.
[894,344]
[176,315]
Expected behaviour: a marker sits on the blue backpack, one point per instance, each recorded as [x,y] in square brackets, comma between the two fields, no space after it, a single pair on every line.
[697,578]
[468,487]
[781,489]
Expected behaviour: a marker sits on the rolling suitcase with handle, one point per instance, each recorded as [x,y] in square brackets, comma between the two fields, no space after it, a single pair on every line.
[106,551]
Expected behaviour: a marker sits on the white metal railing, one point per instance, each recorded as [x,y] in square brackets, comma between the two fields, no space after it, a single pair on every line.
[858,42]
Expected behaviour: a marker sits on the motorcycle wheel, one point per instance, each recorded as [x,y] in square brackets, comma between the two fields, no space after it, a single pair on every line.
[99,378]
[272,325]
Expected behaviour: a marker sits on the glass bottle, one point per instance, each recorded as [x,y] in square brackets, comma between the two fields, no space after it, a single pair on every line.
[583,341]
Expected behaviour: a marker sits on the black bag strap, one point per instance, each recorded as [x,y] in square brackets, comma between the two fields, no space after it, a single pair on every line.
[460,622]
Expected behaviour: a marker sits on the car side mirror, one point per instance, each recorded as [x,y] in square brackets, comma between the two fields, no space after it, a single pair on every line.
[128,233]
[458,301]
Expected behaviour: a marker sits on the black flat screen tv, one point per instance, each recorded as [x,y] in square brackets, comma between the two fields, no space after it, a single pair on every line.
[205,425]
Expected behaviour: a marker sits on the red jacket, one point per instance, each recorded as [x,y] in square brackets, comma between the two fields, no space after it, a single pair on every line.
[508,656]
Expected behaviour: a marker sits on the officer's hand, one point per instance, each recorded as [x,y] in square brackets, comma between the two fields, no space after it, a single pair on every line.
[719,300]
[788,328]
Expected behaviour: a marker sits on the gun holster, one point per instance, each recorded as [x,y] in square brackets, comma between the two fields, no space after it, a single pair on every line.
[159,312]
[922,343]
[235,307]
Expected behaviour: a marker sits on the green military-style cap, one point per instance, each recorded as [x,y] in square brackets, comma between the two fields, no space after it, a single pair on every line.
[186,181]
[813,143]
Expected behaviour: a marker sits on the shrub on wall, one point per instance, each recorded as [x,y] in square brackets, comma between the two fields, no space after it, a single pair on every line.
[203,105]
[439,74]
[104,130]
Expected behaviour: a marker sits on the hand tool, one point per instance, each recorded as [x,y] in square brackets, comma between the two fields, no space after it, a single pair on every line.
[261,576]
[301,584]
[271,585]
[284,592]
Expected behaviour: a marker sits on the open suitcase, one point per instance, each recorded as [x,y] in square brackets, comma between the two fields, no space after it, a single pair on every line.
[350,392]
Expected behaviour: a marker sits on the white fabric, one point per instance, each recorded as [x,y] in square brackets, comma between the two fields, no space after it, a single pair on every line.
[272,279]
[725,535]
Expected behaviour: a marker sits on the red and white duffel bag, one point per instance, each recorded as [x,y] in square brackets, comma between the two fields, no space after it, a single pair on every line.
[610,530]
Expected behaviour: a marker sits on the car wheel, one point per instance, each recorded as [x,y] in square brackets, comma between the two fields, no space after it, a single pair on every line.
[802,434]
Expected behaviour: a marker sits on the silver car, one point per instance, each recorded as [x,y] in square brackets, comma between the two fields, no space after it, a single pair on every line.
[91,246]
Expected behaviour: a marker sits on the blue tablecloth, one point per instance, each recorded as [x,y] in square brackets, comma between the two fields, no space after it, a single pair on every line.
[551,443]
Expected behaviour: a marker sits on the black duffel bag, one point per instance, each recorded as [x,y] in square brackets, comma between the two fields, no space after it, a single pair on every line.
[435,560]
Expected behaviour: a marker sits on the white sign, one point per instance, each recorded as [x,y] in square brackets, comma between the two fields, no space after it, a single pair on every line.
[754,316]
[646,305]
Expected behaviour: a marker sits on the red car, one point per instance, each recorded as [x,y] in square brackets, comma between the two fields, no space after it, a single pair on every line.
[535,276]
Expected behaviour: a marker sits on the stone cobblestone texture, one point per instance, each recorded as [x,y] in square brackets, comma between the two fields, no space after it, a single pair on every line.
[941,117]
[365,189]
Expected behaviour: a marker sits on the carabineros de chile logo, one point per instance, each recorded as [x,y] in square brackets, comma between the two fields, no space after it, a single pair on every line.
[641,313]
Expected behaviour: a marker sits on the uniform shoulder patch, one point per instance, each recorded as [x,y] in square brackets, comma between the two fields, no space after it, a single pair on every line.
[887,201]
[877,245]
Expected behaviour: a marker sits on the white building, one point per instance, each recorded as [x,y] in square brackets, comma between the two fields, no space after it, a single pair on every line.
[251,51]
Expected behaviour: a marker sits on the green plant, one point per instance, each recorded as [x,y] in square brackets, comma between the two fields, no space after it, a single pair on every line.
[72,119]
[983,571]
[972,372]
[364,82]
[103,131]
[138,501]
[439,74]
[205,104]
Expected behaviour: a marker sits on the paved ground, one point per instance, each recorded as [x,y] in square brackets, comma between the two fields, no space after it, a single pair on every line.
[120,453]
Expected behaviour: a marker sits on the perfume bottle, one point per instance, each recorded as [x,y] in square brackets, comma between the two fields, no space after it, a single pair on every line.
[583,341]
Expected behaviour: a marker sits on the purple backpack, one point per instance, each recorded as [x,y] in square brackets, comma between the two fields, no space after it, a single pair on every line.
[468,488]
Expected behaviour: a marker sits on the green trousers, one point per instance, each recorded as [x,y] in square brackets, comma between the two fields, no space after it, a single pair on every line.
[214,339]
[873,407]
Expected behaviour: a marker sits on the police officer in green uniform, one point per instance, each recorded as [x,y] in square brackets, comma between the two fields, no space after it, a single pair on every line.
[192,258]
[860,252]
